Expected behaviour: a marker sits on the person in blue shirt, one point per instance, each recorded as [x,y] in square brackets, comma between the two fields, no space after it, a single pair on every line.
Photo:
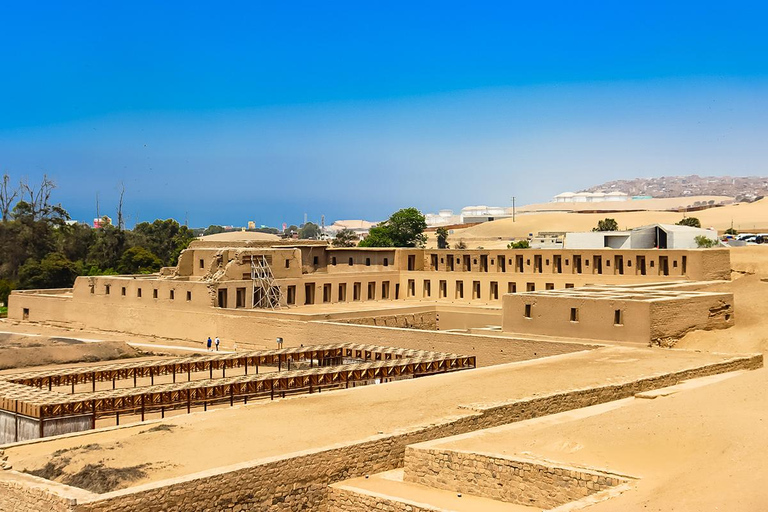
[209,343]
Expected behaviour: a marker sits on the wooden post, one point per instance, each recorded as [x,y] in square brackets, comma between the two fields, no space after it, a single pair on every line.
[223,369]
[93,376]
[134,377]
[162,411]
[189,401]
[42,425]
[210,368]
[189,372]
[142,407]
[246,366]
[151,376]
[271,390]
[117,418]
[93,412]
[113,383]
[231,395]
[73,385]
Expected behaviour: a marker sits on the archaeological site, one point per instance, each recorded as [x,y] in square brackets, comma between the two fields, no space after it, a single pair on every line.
[290,375]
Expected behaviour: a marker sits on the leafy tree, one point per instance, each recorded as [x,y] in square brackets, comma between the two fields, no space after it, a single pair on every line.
[213,230]
[704,242]
[6,287]
[607,224]
[138,260]
[164,238]
[345,238]
[293,228]
[689,221]
[442,238]
[108,246]
[309,231]
[731,231]
[405,228]
[54,271]
[461,245]
[520,244]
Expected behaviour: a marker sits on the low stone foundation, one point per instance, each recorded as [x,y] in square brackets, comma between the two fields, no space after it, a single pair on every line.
[523,482]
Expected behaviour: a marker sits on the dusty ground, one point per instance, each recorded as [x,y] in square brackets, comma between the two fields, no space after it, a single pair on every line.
[226,436]
[21,351]
[698,450]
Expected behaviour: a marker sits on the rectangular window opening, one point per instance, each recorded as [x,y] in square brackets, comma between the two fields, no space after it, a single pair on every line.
[527,312]
[618,318]
[574,314]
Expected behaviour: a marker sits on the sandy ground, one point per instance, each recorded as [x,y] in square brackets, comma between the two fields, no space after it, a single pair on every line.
[226,436]
[698,450]
[752,217]
[22,351]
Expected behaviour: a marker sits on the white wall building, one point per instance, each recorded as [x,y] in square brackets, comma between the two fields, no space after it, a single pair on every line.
[659,236]
[590,197]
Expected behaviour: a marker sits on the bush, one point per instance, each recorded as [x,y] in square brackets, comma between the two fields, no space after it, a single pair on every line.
[520,244]
[703,242]
[690,221]
[607,224]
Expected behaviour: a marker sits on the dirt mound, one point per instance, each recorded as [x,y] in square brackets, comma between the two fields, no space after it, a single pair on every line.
[20,351]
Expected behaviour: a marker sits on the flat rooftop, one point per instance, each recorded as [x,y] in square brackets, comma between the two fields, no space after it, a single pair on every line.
[205,441]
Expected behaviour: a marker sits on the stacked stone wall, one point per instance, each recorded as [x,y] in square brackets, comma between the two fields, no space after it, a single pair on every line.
[345,500]
[514,481]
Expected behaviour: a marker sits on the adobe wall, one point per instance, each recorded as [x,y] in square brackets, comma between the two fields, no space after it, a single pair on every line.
[671,320]
[26,493]
[300,481]
[258,329]
[426,321]
[550,316]
[522,482]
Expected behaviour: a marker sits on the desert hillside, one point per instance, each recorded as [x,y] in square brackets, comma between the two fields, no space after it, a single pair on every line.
[746,217]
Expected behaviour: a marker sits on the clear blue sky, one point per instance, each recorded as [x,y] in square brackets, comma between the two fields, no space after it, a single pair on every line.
[234,111]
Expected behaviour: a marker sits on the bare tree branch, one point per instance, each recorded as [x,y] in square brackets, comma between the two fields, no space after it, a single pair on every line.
[7,197]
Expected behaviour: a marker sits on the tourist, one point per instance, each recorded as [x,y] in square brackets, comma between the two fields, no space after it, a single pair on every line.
[209,343]
[217,343]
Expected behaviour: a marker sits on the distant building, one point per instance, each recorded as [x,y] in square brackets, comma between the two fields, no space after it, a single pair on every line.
[359,227]
[102,222]
[590,197]
[654,236]
[482,213]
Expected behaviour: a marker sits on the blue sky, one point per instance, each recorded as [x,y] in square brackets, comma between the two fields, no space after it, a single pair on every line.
[251,111]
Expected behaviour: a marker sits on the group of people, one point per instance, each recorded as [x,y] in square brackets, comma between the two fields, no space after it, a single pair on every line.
[210,343]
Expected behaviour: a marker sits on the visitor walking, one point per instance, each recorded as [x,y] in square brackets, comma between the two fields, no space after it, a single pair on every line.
[217,343]
[209,343]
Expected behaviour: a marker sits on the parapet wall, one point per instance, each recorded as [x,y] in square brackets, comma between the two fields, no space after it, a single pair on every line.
[300,481]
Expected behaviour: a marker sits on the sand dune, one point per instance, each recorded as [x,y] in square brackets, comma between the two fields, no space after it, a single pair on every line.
[750,217]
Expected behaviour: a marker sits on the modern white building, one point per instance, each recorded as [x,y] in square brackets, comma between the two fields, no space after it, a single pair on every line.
[590,197]
[654,236]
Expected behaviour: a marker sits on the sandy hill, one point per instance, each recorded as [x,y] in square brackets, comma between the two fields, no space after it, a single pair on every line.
[746,217]
[665,203]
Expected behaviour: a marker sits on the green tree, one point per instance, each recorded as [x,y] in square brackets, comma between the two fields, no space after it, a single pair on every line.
[108,246]
[138,260]
[704,242]
[607,224]
[405,228]
[309,231]
[690,221]
[731,231]
[461,245]
[213,230]
[345,238]
[54,271]
[6,287]
[442,238]
[520,244]
[164,238]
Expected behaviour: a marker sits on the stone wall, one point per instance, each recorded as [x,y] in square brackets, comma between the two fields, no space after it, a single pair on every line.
[300,481]
[344,500]
[521,482]
[425,320]
[25,493]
